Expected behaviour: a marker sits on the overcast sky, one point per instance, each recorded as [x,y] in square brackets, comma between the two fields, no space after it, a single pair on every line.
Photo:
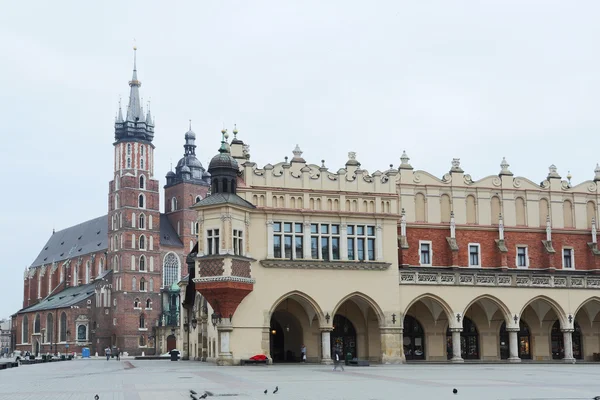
[477,80]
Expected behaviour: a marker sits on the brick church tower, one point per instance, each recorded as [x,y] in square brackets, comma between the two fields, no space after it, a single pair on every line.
[134,228]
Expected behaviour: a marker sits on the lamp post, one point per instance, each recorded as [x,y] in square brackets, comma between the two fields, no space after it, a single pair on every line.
[216,317]
[194,323]
[67,344]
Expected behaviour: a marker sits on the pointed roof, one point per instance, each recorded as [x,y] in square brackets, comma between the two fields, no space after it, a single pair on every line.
[134,109]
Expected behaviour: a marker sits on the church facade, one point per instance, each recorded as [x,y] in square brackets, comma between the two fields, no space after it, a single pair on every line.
[112,281]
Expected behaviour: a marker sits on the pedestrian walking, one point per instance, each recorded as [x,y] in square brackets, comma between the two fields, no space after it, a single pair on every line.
[107,352]
[336,359]
[118,354]
[303,352]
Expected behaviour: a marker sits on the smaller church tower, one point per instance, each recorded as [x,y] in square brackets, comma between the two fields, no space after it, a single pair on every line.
[185,187]
[134,227]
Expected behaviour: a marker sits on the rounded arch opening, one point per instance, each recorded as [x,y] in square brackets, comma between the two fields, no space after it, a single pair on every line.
[436,305]
[541,305]
[490,306]
[364,302]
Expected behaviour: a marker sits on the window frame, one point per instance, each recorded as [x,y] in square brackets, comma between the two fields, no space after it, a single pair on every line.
[572,257]
[238,242]
[213,241]
[478,265]
[522,246]
[430,244]
[280,236]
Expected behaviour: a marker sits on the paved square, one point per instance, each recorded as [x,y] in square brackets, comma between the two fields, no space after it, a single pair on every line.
[133,380]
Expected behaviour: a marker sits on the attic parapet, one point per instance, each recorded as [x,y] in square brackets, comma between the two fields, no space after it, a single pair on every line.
[298,174]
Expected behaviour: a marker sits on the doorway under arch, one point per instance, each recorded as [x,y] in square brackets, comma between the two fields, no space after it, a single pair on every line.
[171,342]
[343,337]
[523,340]
[558,342]
[286,337]
[469,341]
[414,339]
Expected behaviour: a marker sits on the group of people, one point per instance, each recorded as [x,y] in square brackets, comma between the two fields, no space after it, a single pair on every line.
[108,353]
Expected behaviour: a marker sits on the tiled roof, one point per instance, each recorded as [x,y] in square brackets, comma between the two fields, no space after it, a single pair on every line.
[88,237]
[168,235]
[224,198]
[63,299]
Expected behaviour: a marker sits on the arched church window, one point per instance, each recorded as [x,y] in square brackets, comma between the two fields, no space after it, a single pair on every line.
[36,324]
[142,163]
[142,263]
[142,150]
[134,284]
[148,303]
[142,285]
[142,221]
[82,333]
[198,198]
[170,269]
[63,327]
[128,162]
[142,242]
[25,330]
[136,303]
[174,204]
[142,181]
[141,201]
[128,148]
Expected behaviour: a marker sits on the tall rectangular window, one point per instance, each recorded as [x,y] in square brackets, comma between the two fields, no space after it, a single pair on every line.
[425,253]
[238,242]
[474,255]
[212,241]
[361,242]
[288,240]
[351,255]
[568,258]
[522,260]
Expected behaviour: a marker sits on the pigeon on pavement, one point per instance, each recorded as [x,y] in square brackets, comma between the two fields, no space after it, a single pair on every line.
[276,389]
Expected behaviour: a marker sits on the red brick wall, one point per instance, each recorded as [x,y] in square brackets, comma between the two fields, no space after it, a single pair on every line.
[490,256]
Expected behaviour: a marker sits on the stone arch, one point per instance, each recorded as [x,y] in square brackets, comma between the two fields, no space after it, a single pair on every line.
[365,299]
[592,312]
[307,303]
[485,299]
[558,310]
[432,297]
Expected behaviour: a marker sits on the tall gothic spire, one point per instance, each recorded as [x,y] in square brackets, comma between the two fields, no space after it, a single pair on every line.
[134,109]
[135,125]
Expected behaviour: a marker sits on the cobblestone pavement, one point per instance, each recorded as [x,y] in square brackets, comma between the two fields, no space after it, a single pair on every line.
[150,380]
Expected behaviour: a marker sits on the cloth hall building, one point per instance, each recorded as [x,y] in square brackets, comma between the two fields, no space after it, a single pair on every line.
[386,266]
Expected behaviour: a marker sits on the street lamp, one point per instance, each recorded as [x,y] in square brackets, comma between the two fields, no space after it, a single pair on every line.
[215,317]
[194,323]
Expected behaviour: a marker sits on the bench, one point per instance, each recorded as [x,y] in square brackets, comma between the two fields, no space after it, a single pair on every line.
[248,361]
[359,363]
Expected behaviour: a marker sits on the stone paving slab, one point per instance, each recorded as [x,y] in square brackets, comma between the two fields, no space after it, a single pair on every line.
[165,380]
